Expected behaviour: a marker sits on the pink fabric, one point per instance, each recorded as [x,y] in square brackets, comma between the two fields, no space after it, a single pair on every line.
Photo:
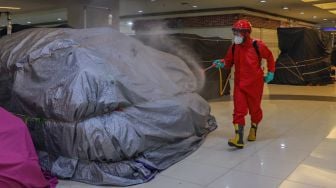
[19,165]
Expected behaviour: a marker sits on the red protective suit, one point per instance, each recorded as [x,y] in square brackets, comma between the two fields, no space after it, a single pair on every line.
[248,79]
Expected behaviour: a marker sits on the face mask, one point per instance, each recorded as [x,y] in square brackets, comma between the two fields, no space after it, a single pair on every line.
[238,39]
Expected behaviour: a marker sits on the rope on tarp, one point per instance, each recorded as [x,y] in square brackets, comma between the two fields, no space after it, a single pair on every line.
[31,120]
[297,75]
[314,72]
[296,66]
[289,70]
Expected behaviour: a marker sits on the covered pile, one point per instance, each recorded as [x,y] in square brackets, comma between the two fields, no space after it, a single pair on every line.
[114,111]
[303,59]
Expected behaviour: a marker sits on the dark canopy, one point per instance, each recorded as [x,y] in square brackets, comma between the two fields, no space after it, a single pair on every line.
[303,59]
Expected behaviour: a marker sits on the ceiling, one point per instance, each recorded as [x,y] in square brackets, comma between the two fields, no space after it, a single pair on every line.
[38,5]
[295,7]
[130,8]
[27,5]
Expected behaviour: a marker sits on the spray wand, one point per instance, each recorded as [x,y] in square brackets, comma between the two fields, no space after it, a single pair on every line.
[208,68]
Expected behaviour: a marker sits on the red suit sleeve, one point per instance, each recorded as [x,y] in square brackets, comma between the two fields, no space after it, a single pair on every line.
[228,58]
[266,53]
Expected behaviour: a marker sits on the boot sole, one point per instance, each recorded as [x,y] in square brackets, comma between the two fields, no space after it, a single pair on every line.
[234,145]
[251,140]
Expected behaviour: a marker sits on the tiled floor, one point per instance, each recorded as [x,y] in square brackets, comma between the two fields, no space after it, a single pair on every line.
[296,148]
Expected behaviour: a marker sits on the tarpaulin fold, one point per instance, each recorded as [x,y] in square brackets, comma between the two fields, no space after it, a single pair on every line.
[115,112]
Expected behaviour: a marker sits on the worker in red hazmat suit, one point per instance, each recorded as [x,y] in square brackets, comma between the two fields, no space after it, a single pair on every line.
[246,54]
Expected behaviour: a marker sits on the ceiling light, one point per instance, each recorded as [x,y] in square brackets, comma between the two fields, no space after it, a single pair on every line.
[325,19]
[332,11]
[285,8]
[314,17]
[140,11]
[28,22]
[301,12]
[309,1]
[263,1]
[153,0]
[11,8]
[59,19]
[194,6]
[130,23]
[326,5]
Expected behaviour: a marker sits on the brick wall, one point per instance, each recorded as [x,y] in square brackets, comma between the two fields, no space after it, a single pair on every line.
[205,21]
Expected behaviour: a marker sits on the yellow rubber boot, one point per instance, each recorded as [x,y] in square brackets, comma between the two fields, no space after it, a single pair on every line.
[237,141]
[253,133]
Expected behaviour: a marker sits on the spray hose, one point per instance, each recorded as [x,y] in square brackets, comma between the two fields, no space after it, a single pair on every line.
[208,68]
[221,88]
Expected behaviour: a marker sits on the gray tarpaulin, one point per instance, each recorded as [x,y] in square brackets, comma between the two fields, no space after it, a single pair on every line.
[116,111]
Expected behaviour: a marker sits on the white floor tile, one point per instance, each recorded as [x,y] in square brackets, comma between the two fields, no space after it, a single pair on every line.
[321,162]
[283,153]
[270,133]
[158,181]
[295,143]
[323,156]
[217,138]
[226,158]
[307,133]
[314,176]
[167,182]
[195,173]
[235,179]
[328,90]
[327,144]
[73,184]
[290,184]
[268,165]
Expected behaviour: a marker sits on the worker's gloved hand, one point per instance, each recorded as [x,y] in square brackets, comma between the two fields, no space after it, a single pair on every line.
[269,77]
[218,63]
